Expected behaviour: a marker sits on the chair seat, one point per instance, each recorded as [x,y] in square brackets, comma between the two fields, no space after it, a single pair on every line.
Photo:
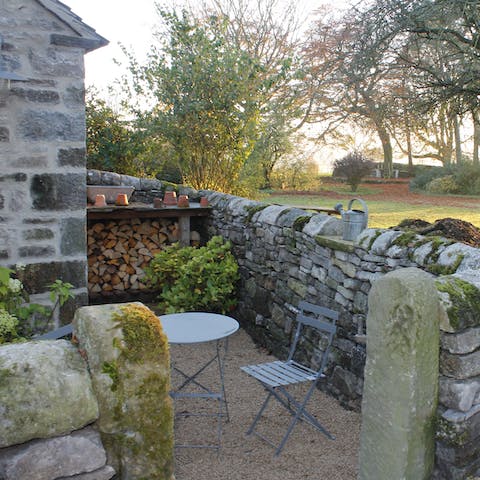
[278,373]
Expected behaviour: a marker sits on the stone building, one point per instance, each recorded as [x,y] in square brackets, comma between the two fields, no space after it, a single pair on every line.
[42,143]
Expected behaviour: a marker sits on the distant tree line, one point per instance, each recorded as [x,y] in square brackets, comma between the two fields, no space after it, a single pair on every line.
[228,88]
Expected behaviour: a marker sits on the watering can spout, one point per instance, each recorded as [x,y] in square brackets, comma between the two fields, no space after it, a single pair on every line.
[354,221]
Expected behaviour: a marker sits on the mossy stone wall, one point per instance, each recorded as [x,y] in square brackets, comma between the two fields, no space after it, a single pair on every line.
[128,357]
[284,259]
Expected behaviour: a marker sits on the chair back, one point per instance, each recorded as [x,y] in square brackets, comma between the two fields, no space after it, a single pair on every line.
[320,318]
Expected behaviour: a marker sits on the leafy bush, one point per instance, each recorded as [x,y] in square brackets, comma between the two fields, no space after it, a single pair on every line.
[353,167]
[446,184]
[424,175]
[467,176]
[463,178]
[18,317]
[190,278]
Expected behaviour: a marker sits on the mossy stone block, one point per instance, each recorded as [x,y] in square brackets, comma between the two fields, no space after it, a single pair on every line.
[45,391]
[129,361]
[461,301]
[401,377]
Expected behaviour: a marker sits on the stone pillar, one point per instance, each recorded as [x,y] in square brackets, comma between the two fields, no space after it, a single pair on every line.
[127,353]
[401,378]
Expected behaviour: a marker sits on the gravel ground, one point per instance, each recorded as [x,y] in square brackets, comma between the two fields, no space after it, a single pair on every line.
[308,454]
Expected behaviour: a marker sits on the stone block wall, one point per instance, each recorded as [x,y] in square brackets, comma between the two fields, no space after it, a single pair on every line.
[91,409]
[42,145]
[286,255]
[146,189]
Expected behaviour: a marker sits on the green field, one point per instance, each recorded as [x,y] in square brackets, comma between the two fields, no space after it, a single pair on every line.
[384,213]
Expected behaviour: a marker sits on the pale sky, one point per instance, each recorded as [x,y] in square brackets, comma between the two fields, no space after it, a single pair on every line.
[131,24]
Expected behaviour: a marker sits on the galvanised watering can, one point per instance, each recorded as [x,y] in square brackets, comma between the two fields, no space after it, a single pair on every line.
[354,221]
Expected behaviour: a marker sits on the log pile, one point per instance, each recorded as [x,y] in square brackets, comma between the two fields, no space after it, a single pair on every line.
[119,251]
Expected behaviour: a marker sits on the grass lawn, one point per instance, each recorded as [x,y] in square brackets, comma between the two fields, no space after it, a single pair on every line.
[388,206]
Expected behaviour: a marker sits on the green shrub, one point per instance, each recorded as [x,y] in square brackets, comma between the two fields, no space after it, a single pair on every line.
[190,278]
[424,175]
[445,184]
[467,176]
[18,317]
[463,178]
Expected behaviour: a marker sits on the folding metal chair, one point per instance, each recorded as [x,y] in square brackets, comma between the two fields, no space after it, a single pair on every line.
[277,376]
[56,334]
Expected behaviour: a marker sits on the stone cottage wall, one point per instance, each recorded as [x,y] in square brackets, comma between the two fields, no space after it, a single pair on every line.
[42,149]
[287,254]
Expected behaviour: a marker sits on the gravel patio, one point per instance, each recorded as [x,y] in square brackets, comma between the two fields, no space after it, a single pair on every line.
[308,454]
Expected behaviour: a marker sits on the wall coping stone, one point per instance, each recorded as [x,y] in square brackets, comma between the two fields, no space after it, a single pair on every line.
[321,224]
[384,241]
[239,206]
[270,214]
[288,217]
[335,243]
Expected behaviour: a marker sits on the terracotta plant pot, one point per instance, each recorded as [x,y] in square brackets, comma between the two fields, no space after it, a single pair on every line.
[100,201]
[157,203]
[170,199]
[122,200]
[204,202]
[183,201]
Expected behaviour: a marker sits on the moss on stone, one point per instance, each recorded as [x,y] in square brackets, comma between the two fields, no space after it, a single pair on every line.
[372,240]
[252,210]
[143,337]
[464,310]
[436,243]
[335,243]
[111,369]
[437,269]
[300,222]
[448,434]
[406,239]
[144,343]
[4,374]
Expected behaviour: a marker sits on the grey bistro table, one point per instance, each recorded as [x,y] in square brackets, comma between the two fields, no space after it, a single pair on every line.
[201,327]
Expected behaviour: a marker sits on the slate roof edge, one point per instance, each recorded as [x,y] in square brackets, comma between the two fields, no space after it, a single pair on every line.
[67,16]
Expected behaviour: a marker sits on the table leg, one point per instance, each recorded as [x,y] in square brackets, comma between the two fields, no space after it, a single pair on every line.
[221,350]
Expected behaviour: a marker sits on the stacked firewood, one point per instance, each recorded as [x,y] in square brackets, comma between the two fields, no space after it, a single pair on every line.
[119,251]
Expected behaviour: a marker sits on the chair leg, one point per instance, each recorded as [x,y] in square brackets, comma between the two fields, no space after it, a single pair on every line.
[300,414]
[259,414]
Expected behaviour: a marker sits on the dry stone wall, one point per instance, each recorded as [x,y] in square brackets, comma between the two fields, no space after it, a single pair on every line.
[287,254]
[92,408]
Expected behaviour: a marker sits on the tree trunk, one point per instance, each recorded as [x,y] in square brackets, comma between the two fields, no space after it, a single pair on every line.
[458,140]
[267,183]
[476,137]
[387,151]
[408,134]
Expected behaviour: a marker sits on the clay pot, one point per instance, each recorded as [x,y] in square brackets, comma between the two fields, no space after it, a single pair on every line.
[183,201]
[170,199]
[100,201]
[204,202]
[122,200]
[157,203]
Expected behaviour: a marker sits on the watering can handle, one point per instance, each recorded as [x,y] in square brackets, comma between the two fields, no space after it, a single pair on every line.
[364,205]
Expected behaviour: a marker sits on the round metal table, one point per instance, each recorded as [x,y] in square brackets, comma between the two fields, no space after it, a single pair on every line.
[201,327]
[197,327]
